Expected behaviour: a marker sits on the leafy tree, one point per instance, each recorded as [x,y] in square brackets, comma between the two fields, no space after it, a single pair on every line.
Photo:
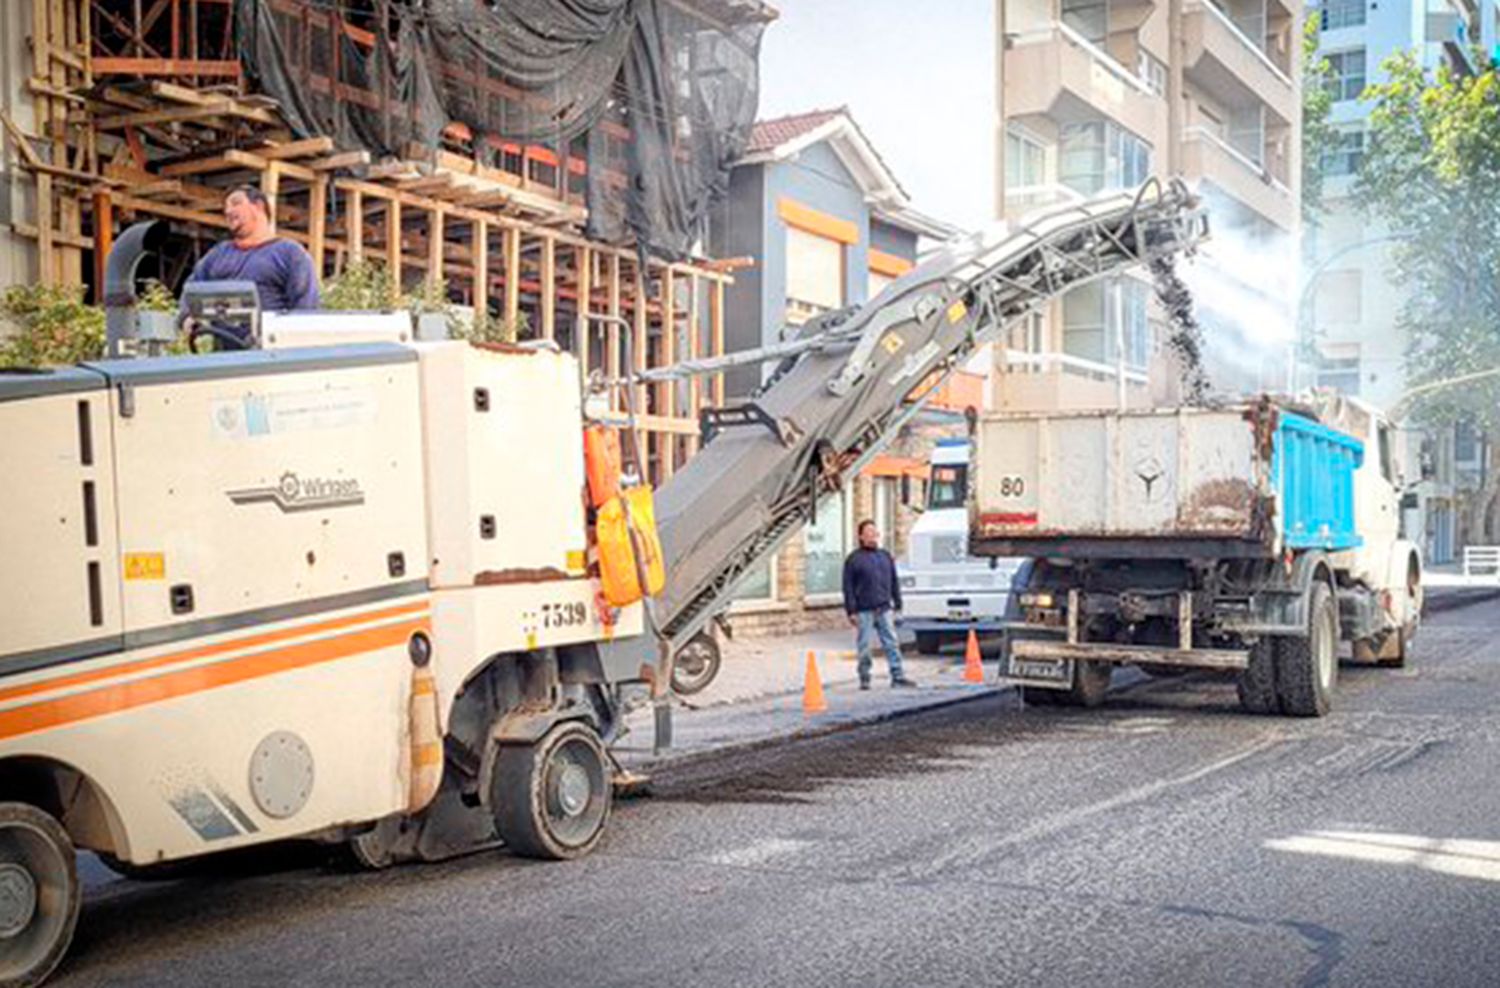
[1431,171]
[50,324]
[1318,135]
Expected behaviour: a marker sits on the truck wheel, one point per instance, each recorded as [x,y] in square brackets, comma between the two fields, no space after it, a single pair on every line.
[551,799]
[1307,668]
[39,894]
[1257,681]
[929,642]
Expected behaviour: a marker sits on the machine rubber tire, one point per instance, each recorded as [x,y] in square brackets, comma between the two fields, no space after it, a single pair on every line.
[39,895]
[929,642]
[703,661]
[1307,668]
[552,799]
[1257,681]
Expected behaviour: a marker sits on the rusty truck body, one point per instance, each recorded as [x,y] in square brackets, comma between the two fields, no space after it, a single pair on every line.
[1248,538]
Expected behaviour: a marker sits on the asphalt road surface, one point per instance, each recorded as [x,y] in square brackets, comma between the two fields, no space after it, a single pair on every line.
[1165,839]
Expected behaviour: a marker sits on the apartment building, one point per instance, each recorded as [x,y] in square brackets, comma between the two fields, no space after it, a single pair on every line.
[1353,300]
[1097,95]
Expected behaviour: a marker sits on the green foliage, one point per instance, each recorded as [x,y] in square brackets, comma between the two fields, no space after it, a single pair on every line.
[50,324]
[1431,171]
[365,286]
[1318,135]
[155,297]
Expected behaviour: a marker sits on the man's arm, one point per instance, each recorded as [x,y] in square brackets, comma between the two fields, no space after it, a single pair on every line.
[302,280]
[199,273]
[895,581]
[849,607]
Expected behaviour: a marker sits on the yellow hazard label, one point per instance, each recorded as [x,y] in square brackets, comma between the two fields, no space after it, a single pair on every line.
[531,639]
[577,561]
[145,566]
[892,342]
[957,311]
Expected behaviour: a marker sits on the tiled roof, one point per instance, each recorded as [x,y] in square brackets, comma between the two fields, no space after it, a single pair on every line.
[768,135]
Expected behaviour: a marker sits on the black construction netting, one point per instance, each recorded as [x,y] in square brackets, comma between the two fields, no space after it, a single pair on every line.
[654,100]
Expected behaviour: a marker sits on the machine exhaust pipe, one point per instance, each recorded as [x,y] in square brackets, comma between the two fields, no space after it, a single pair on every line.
[120,322]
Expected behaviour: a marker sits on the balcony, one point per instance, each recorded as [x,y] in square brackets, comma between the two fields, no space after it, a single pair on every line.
[1053,382]
[1206,156]
[1055,72]
[1231,67]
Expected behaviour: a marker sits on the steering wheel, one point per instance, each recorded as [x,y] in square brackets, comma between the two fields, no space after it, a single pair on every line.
[223,339]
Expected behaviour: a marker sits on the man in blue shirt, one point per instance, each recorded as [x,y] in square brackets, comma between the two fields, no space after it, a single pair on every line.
[871,590]
[282,271]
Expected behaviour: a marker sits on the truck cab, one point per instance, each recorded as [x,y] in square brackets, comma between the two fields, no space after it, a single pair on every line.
[945,591]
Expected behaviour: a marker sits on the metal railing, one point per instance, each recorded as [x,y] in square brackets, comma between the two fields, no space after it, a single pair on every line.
[1257,49]
[1067,362]
[1482,560]
[1104,59]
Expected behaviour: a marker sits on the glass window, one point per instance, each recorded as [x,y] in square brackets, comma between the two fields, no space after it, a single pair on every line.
[1247,133]
[1089,18]
[759,585]
[1098,156]
[949,487]
[1346,75]
[1339,373]
[1345,154]
[1343,13]
[1025,161]
[823,563]
[814,271]
[1150,70]
[1098,315]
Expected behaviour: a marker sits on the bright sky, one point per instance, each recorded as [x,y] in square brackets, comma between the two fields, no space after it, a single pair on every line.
[916,74]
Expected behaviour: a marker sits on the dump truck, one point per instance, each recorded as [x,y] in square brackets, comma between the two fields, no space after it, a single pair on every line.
[1250,538]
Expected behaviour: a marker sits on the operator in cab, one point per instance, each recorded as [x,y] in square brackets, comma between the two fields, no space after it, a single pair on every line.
[281,270]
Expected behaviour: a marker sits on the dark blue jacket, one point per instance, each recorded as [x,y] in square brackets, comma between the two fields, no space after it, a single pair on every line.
[870,582]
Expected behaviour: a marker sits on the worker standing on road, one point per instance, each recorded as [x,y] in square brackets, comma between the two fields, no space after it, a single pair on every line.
[871,591]
[282,271]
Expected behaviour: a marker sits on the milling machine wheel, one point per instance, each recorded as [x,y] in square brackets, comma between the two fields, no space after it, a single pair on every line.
[39,895]
[552,799]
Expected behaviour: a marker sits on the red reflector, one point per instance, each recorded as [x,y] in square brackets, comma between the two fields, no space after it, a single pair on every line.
[1009,518]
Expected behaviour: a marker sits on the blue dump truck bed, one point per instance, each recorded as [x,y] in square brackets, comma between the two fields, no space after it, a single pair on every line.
[1239,481]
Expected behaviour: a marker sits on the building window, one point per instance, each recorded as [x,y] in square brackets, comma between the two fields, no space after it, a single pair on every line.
[1346,73]
[814,275]
[1343,13]
[1247,133]
[877,284]
[759,586]
[1150,70]
[1025,160]
[1340,297]
[1345,154]
[1089,18]
[1340,374]
[826,545]
[1100,156]
[1098,315]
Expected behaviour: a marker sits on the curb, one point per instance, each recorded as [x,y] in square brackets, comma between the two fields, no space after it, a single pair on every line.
[809,732]
[1452,599]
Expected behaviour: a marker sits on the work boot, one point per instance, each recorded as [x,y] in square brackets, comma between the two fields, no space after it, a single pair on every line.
[901,682]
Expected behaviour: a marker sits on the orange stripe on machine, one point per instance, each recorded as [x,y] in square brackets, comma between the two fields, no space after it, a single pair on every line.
[119,697]
[205,651]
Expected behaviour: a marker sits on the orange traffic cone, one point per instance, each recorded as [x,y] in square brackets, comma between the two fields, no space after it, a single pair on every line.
[813,700]
[973,671]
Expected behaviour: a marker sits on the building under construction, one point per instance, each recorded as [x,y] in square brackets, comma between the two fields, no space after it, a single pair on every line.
[542,164]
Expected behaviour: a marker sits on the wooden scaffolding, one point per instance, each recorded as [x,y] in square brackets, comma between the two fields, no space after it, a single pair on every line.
[142,111]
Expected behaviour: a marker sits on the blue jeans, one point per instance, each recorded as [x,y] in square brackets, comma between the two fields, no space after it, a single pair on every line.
[877,623]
